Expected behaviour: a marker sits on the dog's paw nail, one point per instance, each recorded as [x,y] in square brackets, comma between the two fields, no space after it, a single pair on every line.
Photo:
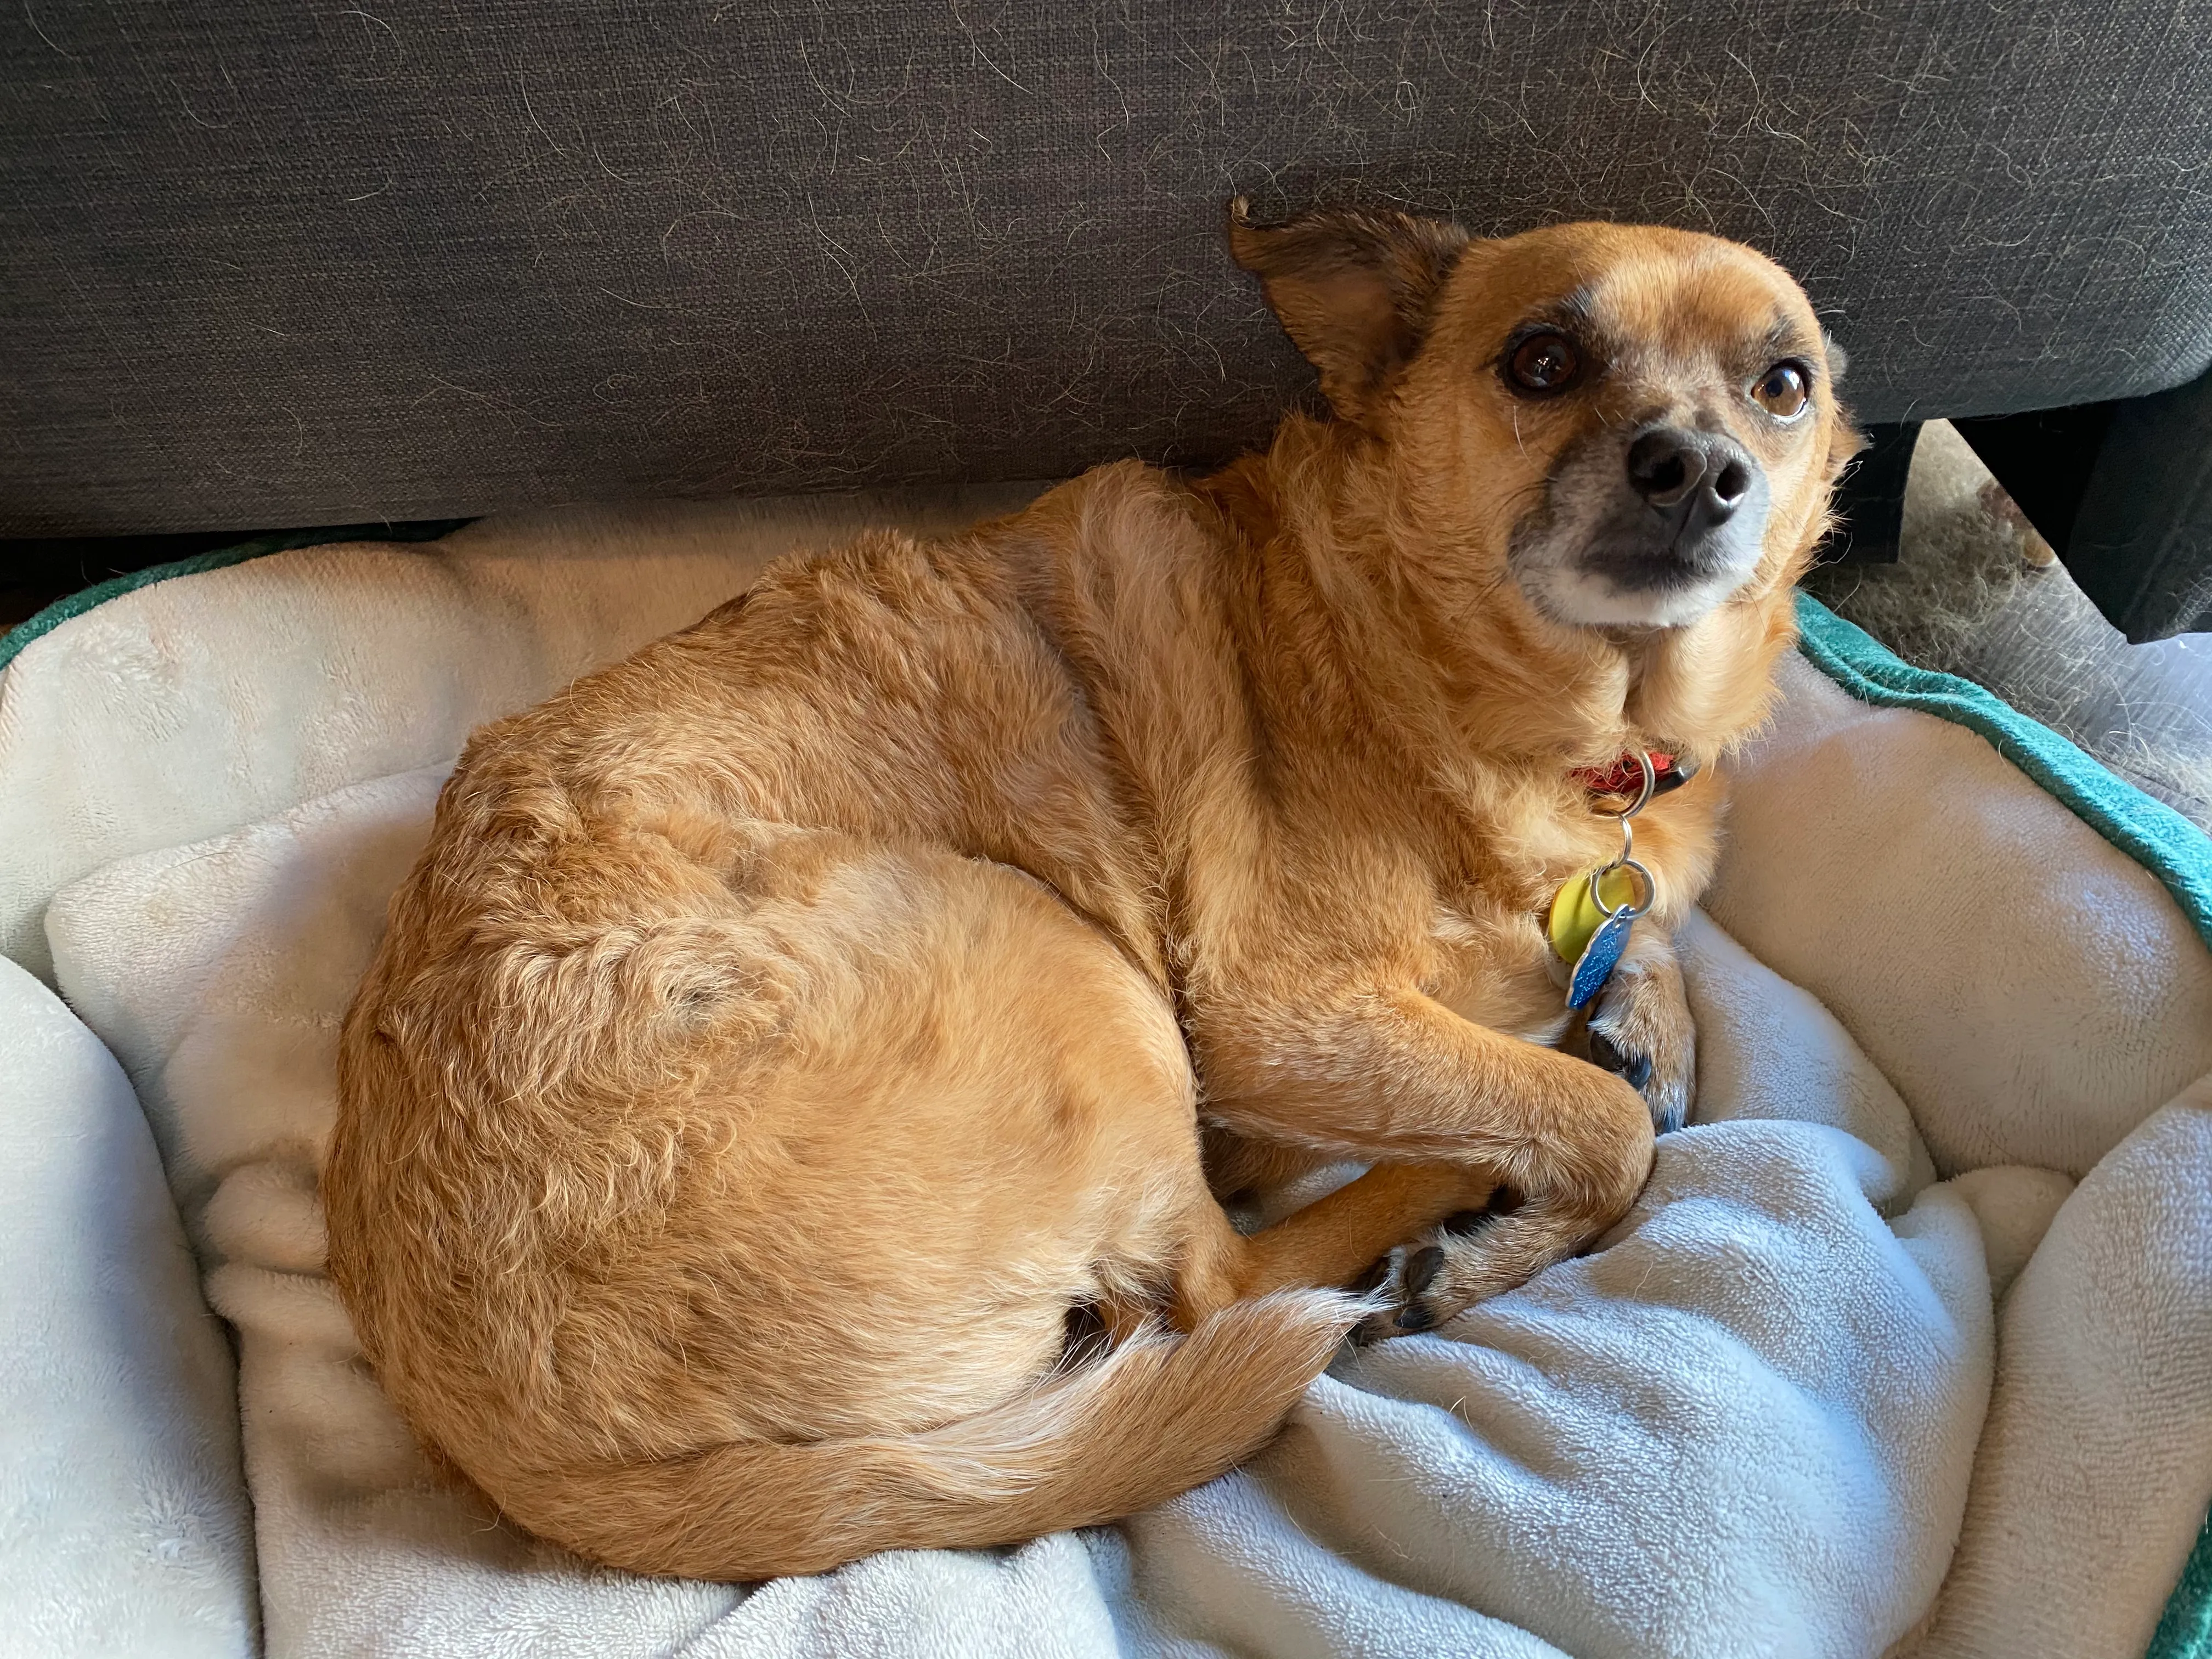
[1468,1221]
[1635,1070]
[1422,1268]
[1415,1318]
[1668,1121]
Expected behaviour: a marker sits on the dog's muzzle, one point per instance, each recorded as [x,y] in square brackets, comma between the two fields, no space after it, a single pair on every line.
[1694,508]
[1655,531]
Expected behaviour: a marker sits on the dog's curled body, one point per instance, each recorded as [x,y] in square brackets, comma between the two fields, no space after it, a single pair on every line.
[787,1027]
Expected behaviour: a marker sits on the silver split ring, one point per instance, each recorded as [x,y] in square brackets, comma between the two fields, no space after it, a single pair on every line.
[1650,788]
[1636,906]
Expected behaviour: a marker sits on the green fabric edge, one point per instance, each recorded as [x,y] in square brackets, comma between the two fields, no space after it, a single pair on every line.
[2148,831]
[72,605]
[2185,1631]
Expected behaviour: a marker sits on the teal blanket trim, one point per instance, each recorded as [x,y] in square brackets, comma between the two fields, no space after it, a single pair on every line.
[2151,833]
[76,604]
[2148,831]
[2185,1632]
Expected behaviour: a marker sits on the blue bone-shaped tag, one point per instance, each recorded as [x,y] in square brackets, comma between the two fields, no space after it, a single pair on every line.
[1599,958]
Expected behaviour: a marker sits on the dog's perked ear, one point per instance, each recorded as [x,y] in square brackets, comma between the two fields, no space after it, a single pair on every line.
[1353,288]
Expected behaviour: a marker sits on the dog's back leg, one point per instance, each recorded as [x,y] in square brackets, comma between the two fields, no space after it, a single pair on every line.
[1332,1242]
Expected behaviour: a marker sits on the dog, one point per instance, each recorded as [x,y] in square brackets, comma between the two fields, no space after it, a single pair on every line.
[790,1113]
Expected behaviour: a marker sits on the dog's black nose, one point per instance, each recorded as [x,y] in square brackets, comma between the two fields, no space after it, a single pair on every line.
[1697,479]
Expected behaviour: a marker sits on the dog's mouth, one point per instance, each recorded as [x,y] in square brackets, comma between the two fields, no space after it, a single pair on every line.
[1656,533]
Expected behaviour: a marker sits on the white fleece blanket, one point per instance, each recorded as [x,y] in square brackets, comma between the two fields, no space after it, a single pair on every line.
[1750,1424]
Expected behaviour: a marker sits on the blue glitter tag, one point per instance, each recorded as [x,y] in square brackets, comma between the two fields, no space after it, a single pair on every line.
[1599,958]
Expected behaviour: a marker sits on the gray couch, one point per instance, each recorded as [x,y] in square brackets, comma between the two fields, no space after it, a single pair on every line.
[272,265]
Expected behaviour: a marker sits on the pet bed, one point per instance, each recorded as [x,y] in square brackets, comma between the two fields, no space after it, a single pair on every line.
[1907,1349]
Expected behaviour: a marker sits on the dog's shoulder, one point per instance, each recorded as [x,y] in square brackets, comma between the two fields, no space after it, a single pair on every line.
[1124,545]
[1125,512]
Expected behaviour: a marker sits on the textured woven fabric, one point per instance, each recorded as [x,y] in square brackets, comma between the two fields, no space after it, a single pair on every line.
[265,264]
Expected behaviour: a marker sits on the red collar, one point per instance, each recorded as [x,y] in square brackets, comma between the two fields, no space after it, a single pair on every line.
[1625,777]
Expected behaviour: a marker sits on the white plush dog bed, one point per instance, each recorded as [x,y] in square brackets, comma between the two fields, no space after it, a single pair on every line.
[1866,1372]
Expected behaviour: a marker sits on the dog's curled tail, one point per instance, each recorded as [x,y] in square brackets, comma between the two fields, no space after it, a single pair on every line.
[1156,1416]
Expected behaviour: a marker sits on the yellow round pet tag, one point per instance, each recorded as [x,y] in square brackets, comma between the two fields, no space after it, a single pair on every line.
[1575,915]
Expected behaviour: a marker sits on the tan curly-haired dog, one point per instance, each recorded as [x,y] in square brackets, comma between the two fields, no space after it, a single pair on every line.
[793,1035]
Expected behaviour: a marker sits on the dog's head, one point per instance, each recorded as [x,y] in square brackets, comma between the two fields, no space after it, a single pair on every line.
[1635,425]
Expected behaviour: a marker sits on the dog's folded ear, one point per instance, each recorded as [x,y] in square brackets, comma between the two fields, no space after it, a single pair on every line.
[1353,290]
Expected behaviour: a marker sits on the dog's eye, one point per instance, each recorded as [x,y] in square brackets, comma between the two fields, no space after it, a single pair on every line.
[1782,391]
[1544,363]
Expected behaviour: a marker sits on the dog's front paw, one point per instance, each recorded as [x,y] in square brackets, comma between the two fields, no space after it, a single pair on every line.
[1642,1031]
